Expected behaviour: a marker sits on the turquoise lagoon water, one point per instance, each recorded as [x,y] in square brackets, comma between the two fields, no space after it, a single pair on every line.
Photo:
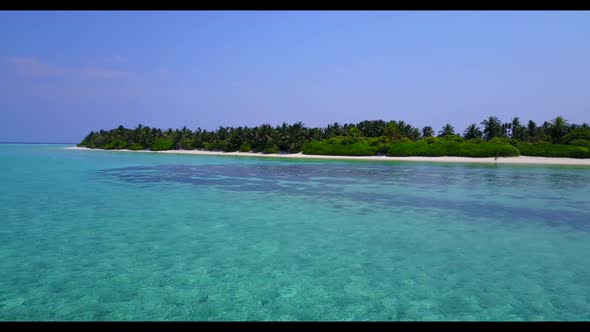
[93,235]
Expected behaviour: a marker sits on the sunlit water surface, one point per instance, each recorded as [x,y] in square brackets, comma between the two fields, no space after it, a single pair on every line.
[92,235]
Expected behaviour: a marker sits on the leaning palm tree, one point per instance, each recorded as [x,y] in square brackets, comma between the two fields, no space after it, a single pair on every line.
[558,128]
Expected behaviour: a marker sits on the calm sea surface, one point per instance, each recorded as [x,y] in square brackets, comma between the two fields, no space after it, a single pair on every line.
[92,235]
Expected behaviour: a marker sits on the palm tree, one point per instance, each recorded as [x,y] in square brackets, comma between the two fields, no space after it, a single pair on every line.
[531,130]
[263,137]
[371,128]
[184,133]
[447,130]
[392,130]
[406,130]
[292,138]
[413,134]
[334,129]
[558,128]
[282,133]
[472,131]
[296,137]
[427,132]
[354,132]
[517,129]
[236,138]
[492,127]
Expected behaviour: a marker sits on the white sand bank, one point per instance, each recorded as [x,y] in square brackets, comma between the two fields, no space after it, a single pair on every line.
[500,160]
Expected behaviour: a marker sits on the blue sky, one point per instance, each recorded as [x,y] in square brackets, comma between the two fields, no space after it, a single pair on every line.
[63,74]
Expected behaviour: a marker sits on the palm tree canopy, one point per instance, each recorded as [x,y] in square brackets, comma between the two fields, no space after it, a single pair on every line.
[447,130]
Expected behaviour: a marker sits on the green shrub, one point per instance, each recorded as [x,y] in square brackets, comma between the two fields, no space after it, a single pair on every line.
[209,146]
[135,146]
[482,150]
[225,146]
[377,141]
[344,140]
[187,144]
[383,148]
[430,140]
[110,146]
[499,140]
[222,145]
[199,144]
[553,150]
[477,140]
[162,144]
[581,142]
[271,149]
[577,133]
[451,145]
[452,148]
[452,138]
[539,138]
[245,147]
[420,148]
[332,147]
[115,145]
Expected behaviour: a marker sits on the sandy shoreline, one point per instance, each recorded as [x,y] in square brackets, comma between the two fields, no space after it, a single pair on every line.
[500,160]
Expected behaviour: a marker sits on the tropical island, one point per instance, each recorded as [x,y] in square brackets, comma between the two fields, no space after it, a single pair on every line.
[555,138]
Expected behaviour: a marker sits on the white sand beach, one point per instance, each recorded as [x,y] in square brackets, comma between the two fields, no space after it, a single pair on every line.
[500,160]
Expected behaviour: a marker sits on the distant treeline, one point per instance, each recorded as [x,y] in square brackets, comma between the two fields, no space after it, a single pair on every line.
[555,138]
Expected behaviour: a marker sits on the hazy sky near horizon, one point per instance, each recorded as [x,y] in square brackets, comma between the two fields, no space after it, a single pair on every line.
[63,74]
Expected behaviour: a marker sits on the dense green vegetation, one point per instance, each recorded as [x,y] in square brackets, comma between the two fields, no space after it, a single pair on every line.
[555,138]
[453,147]
[347,146]
[553,150]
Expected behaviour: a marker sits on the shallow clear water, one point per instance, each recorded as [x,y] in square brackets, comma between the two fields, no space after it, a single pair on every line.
[91,235]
